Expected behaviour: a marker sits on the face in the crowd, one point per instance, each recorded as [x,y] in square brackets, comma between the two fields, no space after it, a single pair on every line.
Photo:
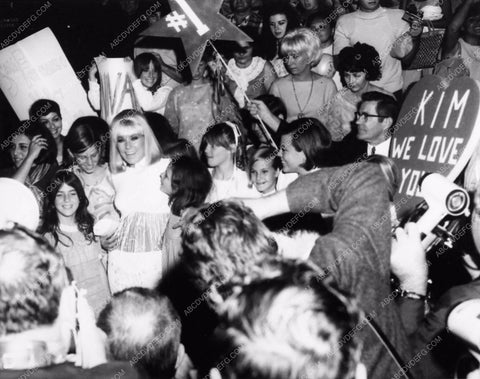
[370,127]
[53,122]
[131,146]
[200,72]
[368,5]
[166,181]
[297,63]
[239,6]
[323,30]
[19,149]
[278,25]
[66,201]
[264,176]
[243,54]
[217,155]
[88,160]
[149,78]
[472,26]
[292,160]
[309,4]
[355,81]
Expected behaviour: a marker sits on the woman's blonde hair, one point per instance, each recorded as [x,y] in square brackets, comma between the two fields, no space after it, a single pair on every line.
[302,41]
[130,119]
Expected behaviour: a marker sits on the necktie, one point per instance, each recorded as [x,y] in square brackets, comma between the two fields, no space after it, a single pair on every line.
[373,150]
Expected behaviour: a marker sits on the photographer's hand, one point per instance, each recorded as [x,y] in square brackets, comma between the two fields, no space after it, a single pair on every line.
[408,260]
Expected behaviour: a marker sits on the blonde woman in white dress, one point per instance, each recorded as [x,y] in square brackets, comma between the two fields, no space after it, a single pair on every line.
[136,164]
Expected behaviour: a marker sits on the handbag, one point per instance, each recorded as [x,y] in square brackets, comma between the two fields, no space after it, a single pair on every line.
[429,50]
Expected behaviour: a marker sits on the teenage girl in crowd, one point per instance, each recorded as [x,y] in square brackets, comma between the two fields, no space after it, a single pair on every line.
[85,148]
[358,65]
[223,151]
[48,114]
[279,19]
[151,96]
[252,73]
[192,108]
[187,183]
[33,153]
[305,146]
[69,228]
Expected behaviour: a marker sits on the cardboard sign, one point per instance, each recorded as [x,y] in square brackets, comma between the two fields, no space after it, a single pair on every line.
[37,68]
[196,23]
[437,131]
[116,88]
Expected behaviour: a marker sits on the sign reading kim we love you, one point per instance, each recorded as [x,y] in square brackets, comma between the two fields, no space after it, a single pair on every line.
[437,131]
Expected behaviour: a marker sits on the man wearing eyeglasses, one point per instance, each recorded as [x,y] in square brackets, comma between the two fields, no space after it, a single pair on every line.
[375,118]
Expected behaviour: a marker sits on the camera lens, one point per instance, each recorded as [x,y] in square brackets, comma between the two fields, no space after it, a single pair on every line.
[456,202]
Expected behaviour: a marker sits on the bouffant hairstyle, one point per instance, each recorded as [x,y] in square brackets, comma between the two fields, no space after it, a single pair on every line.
[360,57]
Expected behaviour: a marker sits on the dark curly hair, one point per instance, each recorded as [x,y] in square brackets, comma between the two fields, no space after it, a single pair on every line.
[360,57]
[84,220]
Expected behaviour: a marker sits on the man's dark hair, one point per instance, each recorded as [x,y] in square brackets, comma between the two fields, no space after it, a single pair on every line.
[387,106]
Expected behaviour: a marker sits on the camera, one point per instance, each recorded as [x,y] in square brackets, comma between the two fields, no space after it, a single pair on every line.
[443,199]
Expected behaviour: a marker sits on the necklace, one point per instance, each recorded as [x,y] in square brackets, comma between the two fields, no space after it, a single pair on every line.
[301,114]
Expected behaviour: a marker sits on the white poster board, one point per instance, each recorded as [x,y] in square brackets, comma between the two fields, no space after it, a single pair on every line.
[37,68]
[116,87]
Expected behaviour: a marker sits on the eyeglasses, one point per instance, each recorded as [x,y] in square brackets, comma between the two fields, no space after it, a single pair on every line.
[359,115]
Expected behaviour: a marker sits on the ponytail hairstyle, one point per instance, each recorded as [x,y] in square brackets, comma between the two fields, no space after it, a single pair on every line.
[225,134]
[83,219]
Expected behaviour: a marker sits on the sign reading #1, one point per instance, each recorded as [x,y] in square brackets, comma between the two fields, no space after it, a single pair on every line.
[437,130]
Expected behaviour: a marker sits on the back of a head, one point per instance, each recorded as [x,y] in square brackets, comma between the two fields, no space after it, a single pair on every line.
[274,104]
[288,324]
[143,327]
[222,239]
[32,278]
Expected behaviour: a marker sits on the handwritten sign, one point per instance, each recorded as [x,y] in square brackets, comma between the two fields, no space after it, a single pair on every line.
[195,22]
[116,89]
[437,131]
[37,68]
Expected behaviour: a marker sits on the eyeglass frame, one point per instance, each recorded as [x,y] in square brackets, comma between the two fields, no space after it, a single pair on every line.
[358,115]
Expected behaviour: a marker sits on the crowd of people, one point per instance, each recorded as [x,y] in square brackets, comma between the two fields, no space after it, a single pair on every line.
[240,223]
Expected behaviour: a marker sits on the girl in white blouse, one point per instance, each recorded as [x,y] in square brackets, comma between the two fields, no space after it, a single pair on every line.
[223,151]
